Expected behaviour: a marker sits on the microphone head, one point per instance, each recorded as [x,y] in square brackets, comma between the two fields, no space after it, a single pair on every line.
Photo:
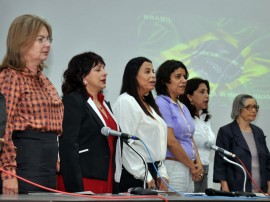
[209,192]
[105,131]
[207,145]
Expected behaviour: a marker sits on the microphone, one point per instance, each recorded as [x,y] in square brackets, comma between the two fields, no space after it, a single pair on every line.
[108,131]
[213,192]
[208,145]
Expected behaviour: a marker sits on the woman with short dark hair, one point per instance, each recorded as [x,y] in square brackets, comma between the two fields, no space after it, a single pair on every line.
[86,156]
[182,160]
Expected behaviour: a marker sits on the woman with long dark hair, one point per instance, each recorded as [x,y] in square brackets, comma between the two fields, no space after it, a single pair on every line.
[138,114]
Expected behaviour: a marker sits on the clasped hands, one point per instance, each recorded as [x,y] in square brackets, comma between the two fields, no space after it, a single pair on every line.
[197,172]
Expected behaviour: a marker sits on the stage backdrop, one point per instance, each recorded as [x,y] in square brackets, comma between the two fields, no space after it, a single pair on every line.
[225,41]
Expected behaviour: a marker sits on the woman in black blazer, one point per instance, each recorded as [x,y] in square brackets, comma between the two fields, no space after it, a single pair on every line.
[248,143]
[86,156]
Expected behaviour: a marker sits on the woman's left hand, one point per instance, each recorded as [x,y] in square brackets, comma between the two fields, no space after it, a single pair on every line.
[161,185]
[197,178]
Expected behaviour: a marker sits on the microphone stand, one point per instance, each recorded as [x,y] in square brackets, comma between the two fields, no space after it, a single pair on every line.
[232,162]
[144,162]
[139,190]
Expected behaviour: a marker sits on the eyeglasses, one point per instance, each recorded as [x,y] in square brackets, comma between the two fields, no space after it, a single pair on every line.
[250,107]
[43,39]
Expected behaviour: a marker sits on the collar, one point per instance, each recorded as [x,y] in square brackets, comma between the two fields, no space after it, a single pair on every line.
[36,75]
[169,100]
[100,97]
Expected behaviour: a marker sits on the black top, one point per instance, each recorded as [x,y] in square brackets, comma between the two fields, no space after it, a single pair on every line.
[3,115]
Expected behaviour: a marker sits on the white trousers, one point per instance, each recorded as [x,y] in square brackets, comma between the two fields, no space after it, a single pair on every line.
[180,178]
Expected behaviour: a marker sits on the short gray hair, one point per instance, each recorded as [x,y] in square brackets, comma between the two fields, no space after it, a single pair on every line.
[239,104]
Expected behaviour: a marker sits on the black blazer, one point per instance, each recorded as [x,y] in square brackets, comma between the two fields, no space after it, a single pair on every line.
[230,138]
[84,151]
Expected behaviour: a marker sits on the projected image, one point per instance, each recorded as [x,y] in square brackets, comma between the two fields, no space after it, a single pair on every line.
[232,55]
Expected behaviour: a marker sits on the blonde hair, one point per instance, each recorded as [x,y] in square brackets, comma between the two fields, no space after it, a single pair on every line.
[21,35]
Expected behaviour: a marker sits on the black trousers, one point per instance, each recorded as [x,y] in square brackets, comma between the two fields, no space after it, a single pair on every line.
[128,180]
[36,159]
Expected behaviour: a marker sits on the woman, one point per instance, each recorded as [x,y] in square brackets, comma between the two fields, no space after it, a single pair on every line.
[196,98]
[86,156]
[34,109]
[182,160]
[247,142]
[138,114]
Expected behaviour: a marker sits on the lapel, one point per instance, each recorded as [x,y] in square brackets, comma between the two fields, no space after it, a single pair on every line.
[108,107]
[237,134]
[93,110]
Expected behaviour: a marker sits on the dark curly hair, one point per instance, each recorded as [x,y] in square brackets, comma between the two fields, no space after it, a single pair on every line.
[192,85]
[163,75]
[79,67]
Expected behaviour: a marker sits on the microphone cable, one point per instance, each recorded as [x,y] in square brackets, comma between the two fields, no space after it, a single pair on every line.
[117,198]
[249,175]
[179,193]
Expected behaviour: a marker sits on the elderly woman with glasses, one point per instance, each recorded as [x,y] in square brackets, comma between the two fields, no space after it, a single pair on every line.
[247,142]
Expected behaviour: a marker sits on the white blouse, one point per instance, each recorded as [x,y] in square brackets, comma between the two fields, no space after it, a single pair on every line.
[153,132]
[203,133]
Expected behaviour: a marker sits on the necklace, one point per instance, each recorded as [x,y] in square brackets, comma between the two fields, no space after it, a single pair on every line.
[100,107]
[179,106]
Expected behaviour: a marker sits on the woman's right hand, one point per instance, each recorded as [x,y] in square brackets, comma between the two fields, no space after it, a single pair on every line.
[10,186]
[161,185]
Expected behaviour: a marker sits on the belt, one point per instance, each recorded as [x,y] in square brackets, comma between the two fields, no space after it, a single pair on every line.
[171,158]
[157,164]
